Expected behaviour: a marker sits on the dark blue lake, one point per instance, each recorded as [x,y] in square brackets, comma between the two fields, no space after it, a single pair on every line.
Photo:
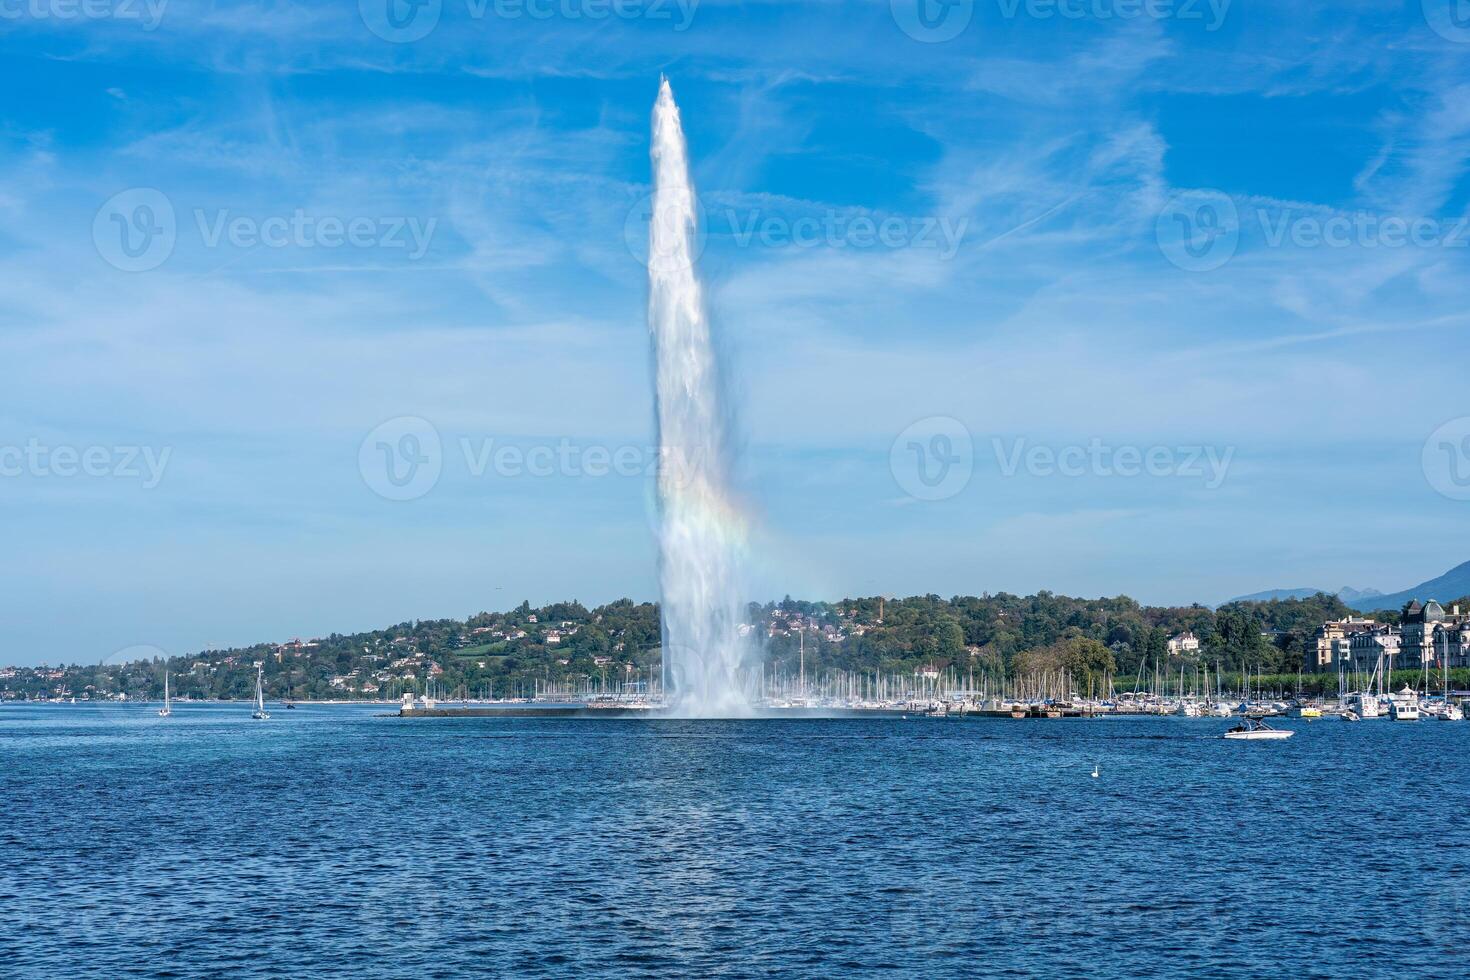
[332,842]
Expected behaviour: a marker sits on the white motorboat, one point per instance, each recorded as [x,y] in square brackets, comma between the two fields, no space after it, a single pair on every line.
[1254,730]
[1364,705]
[1403,711]
[1404,706]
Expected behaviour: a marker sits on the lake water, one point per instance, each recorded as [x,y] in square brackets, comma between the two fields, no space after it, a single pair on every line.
[329,841]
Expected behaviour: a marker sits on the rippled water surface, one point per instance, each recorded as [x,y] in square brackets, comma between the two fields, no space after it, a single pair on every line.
[330,841]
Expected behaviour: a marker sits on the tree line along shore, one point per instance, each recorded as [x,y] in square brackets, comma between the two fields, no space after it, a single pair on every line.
[616,645]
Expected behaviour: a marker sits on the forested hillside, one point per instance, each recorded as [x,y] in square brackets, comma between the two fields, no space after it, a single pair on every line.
[505,653]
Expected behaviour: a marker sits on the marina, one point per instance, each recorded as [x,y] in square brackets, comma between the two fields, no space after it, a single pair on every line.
[946,694]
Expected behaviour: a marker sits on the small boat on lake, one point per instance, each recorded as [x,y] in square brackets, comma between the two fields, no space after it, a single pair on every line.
[1404,706]
[259,714]
[167,708]
[1255,730]
[1363,704]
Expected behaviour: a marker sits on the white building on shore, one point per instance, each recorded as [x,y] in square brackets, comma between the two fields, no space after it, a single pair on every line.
[1427,636]
[1184,643]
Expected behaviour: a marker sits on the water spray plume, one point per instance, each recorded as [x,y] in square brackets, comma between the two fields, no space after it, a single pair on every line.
[701,533]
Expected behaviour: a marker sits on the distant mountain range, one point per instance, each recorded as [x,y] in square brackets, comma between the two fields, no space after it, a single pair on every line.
[1451,585]
[1347,594]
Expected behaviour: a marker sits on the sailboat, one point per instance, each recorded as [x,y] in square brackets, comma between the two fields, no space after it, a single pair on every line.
[1188,707]
[1451,712]
[1365,703]
[167,708]
[260,713]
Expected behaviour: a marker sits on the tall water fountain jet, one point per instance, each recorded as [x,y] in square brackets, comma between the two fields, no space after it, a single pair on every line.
[701,537]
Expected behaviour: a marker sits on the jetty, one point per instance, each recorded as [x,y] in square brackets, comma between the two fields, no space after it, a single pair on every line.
[636,709]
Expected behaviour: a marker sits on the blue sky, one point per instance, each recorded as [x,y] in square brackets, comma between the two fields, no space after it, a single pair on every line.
[1106,232]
